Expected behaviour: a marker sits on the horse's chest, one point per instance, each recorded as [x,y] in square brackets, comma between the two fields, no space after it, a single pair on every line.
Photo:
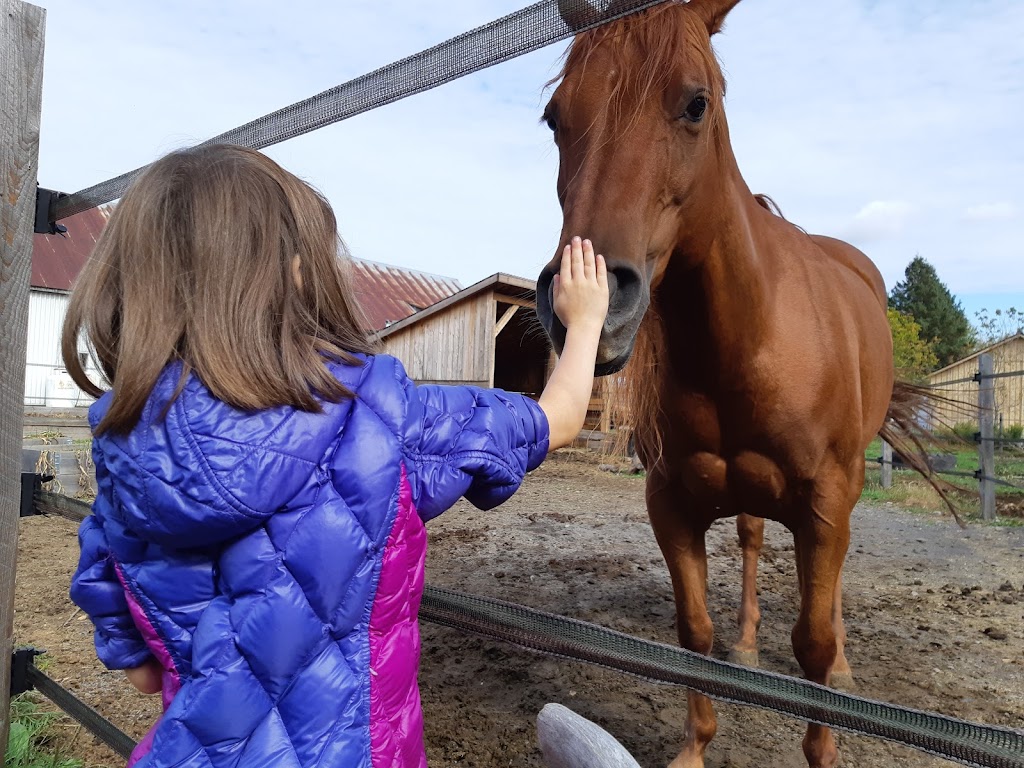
[746,481]
[717,464]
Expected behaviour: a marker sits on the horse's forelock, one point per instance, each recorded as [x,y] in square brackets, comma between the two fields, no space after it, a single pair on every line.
[647,45]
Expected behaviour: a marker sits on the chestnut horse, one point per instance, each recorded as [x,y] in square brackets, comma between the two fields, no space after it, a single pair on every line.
[761,355]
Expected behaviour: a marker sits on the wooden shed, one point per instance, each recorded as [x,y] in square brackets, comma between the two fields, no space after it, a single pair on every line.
[1007,357]
[487,335]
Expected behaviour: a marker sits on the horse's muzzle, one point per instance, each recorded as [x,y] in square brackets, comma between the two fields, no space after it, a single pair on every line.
[628,298]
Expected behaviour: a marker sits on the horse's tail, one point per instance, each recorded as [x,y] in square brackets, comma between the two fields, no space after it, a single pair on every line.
[903,430]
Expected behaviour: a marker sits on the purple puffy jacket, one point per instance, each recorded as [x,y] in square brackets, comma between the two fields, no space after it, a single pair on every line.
[273,561]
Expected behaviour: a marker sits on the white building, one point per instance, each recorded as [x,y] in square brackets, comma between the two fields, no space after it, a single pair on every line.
[56,262]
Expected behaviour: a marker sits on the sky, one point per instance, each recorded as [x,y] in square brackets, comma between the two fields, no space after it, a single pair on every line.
[894,125]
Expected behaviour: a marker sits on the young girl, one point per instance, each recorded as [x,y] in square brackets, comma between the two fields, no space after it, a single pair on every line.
[257,543]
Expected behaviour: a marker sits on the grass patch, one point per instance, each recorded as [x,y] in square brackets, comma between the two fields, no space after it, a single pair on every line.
[911,492]
[31,743]
[1009,462]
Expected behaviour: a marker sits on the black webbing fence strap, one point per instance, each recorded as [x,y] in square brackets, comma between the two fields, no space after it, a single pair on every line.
[955,473]
[947,737]
[976,378]
[26,677]
[47,503]
[524,31]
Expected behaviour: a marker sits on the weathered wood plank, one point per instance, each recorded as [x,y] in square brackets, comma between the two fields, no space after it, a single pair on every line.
[886,465]
[21,85]
[505,318]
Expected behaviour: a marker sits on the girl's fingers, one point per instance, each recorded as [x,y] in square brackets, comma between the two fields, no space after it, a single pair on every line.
[566,266]
[589,268]
[556,287]
[602,271]
[577,258]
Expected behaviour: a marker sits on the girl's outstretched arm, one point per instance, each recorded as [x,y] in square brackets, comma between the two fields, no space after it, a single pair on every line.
[581,303]
[480,443]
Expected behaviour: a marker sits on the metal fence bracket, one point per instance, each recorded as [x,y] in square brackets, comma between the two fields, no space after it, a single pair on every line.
[46,199]
[31,483]
[21,660]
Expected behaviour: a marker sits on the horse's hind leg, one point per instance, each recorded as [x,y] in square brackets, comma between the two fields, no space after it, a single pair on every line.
[821,536]
[681,539]
[751,533]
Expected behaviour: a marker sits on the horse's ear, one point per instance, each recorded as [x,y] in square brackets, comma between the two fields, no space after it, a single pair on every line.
[713,12]
[580,13]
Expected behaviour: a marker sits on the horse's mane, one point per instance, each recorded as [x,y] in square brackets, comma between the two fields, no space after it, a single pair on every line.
[769,205]
[656,38]
[638,400]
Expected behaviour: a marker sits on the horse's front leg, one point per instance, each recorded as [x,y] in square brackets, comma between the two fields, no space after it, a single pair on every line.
[681,539]
[842,675]
[751,533]
[821,533]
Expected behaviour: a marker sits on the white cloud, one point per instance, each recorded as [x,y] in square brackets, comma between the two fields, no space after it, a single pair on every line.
[1002,211]
[831,104]
[880,220]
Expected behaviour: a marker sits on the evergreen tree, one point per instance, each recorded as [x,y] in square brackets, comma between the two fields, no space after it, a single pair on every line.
[926,299]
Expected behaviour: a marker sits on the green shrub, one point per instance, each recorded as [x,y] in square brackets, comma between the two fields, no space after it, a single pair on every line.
[964,430]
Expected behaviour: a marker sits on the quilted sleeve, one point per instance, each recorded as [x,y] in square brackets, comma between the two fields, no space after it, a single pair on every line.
[96,589]
[472,442]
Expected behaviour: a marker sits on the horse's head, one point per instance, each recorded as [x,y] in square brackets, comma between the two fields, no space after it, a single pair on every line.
[637,119]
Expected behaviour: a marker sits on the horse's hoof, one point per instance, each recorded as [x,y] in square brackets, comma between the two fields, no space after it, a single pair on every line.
[744,658]
[842,681]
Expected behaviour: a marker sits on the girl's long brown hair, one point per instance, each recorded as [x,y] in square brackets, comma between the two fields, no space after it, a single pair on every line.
[196,265]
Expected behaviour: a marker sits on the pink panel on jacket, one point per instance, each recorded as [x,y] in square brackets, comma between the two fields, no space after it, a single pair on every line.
[396,719]
[171,678]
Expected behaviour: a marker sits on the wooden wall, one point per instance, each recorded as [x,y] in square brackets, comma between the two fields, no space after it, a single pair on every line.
[456,345]
[1009,392]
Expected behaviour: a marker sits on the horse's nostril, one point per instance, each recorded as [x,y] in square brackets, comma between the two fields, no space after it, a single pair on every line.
[625,287]
[545,290]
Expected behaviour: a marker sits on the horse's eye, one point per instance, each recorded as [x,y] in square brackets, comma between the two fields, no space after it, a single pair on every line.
[551,123]
[695,109]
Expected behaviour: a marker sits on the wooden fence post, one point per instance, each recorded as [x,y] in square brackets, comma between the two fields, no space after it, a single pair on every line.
[886,465]
[986,448]
[21,84]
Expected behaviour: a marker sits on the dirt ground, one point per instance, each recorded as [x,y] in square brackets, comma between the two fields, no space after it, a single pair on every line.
[935,618]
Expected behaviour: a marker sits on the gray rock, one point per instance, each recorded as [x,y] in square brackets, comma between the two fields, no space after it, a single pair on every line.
[568,740]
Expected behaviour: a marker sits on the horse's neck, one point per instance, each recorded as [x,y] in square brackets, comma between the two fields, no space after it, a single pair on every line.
[720,295]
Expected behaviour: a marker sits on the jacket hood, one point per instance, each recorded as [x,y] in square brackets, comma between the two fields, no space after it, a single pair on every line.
[205,472]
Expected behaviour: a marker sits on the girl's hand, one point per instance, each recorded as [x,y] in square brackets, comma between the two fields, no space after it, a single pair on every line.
[581,287]
[148,678]
[581,303]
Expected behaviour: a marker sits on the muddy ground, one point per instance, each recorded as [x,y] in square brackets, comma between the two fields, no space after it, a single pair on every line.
[935,617]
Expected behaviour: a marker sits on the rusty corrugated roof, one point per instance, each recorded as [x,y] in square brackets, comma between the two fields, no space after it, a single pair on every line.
[389,294]
[56,260]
